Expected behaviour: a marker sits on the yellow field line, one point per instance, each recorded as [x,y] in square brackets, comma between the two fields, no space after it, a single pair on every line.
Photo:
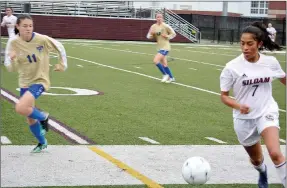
[150,183]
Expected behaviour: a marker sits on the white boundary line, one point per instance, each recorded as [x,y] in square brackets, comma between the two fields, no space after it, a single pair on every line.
[215,140]
[283,141]
[5,140]
[148,76]
[52,123]
[149,140]
[192,68]
[129,51]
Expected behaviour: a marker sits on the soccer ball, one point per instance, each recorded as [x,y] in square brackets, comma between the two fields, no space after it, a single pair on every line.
[196,170]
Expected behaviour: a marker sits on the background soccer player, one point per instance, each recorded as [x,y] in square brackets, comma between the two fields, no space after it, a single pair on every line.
[162,33]
[9,21]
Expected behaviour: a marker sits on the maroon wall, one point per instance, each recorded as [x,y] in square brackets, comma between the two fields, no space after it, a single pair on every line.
[93,28]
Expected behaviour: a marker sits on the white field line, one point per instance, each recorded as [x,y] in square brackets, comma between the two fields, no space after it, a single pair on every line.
[215,140]
[192,68]
[148,76]
[146,43]
[283,141]
[149,140]
[80,65]
[142,53]
[52,123]
[137,67]
[5,140]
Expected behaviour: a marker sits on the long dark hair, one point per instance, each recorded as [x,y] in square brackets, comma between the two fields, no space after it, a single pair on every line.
[260,33]
[20,18]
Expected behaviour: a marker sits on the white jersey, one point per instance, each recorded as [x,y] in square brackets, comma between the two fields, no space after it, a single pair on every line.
[252,84]
[10,23]
[272,32]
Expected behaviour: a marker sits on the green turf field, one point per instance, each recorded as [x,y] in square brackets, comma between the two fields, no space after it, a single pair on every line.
[133,102]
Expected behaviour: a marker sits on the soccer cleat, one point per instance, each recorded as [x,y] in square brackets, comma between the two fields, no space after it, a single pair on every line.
[263,179]
[170,80]
[165,78]
[40,147]
[44,123]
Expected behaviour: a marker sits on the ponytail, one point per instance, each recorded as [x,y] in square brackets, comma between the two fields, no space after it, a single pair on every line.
[258,29]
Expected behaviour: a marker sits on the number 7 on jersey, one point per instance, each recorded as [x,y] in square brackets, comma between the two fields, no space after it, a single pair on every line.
[256,86]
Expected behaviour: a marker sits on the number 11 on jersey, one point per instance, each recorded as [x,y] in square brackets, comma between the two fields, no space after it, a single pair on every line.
[30,59]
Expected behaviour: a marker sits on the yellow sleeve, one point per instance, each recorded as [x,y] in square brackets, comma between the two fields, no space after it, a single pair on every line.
[11,65]
[149,35]
[55,46]
[171,32]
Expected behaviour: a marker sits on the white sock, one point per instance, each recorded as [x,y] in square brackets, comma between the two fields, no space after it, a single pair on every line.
[281,171]
[261,167]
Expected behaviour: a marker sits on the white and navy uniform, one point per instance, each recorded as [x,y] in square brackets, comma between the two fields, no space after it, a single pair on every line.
[252,86]
[10,23]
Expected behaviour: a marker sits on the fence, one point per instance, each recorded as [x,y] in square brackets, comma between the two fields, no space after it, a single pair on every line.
[228,29]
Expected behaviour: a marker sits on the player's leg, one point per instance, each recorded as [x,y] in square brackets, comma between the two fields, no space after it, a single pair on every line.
[248,136]
[167,70]
[25,105]
[39,133]
[35,126]
[157,60]
[268,127]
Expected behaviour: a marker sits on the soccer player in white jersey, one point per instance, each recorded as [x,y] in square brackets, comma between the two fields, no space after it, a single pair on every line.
[9,21]
[28,54]
[255,112]
[162,33]
[272,32]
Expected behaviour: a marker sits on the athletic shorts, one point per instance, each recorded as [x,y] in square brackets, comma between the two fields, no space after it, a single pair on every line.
[35,89]
[163,52]
[248,131]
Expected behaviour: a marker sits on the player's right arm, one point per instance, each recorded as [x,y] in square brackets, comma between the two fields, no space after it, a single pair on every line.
[150,33]
[226,83]
[3,23]
[10,61]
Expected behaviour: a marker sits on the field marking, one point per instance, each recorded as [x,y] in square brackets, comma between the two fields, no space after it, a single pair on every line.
[219,69]
[5,140]
[215,140]
[80,66]
[137,67]
[148,76]
[282,140]
[213,53]
[150,183]
[192,68]
[142,53]
[147,43]
[50,65]
[149,140]
[53,123]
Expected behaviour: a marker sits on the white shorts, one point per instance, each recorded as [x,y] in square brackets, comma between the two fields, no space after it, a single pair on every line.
[248,131]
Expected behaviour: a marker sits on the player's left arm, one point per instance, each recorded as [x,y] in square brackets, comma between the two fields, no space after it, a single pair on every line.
[56,46]
[280,74]
[171,32]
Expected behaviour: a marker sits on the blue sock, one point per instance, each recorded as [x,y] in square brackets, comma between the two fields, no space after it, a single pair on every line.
[167,70]
[37,114]
[160,67]
[36,129]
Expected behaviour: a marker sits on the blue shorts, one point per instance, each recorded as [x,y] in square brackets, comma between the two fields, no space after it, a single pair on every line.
[163,52]
[35,89]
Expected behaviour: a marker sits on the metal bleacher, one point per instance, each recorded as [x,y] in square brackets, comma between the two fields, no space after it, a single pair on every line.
[80,8]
